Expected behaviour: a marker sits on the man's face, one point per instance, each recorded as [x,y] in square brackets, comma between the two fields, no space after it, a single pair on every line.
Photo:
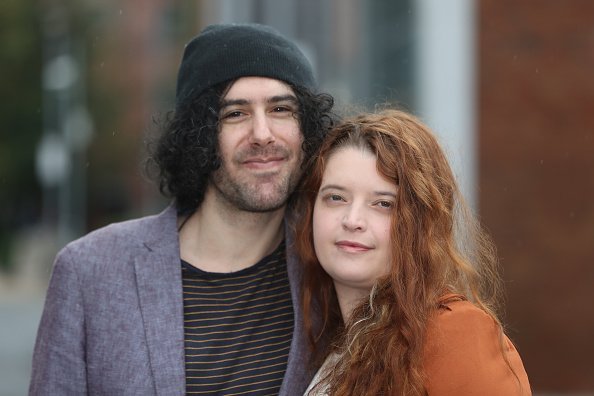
[259,145]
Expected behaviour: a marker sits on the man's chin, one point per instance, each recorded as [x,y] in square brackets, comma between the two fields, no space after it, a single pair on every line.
[263,206]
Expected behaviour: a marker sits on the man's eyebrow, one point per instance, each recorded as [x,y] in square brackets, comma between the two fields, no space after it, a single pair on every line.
[233,102]
[272,99]
[282,98]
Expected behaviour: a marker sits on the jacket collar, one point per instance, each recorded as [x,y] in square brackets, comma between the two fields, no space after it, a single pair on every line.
[159,284]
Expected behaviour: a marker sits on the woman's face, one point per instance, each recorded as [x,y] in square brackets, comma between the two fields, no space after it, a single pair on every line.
[351,220]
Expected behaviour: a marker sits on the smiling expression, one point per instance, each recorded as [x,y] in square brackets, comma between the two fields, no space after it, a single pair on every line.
[351,220]
[259,145]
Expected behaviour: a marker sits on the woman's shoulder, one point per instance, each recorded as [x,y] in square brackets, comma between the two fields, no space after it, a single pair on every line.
[467,351]
[455,311]
[458,326]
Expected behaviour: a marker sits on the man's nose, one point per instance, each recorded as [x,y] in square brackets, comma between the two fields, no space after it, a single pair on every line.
[261,133]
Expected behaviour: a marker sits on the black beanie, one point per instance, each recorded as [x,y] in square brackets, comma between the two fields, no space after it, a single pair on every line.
[229,51]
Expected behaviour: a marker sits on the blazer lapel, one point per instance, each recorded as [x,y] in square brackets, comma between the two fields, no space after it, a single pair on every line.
[299,370]
[158,279]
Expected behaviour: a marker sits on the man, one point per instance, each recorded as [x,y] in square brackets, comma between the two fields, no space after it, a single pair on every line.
[202,298]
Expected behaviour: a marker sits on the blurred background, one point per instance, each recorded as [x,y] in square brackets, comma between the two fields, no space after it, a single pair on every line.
[507,85]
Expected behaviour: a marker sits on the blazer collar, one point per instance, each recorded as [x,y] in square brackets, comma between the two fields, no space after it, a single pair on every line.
[299,369]
[158,279]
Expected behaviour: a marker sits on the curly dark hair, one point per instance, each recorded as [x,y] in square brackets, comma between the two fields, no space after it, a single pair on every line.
[186,152]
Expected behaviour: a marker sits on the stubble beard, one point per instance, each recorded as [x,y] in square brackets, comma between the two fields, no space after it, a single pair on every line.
[265,192]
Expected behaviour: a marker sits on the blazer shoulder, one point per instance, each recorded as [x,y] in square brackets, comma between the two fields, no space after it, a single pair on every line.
[148,229]
[466,352]
[459,325]
[128,232]
[117,241]
[457,311]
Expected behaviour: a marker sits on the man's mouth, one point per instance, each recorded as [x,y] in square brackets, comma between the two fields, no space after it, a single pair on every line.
[263,162]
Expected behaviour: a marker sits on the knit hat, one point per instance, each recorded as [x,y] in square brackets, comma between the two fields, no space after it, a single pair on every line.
[228,51]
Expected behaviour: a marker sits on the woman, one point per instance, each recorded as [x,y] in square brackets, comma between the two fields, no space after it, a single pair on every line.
[406,290]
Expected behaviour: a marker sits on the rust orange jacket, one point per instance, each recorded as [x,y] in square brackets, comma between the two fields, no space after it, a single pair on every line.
[463,355]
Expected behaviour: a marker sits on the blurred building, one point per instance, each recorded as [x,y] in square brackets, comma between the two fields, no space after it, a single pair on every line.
[508,86]
[536,134]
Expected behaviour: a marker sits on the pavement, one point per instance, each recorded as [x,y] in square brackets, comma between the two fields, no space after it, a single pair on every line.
[21,304]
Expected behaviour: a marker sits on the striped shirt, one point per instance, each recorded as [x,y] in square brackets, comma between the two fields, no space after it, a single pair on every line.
[238,328]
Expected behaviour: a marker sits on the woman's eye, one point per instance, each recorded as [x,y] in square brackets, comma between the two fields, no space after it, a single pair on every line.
[334,198]
[385,204]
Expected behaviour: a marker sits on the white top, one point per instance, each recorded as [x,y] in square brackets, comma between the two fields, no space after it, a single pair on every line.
[322,391]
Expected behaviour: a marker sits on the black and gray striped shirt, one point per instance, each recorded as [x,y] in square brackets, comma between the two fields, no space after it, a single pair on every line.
[238,328]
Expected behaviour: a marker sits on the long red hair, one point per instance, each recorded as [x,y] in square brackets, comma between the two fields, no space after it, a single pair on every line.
[437,248]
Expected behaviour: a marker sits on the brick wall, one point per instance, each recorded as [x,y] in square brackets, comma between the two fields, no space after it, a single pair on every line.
[536,134]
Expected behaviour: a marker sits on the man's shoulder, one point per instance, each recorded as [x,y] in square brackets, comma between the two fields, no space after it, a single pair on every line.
[126,234]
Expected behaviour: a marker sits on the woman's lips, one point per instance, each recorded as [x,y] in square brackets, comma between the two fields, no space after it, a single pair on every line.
[352,246]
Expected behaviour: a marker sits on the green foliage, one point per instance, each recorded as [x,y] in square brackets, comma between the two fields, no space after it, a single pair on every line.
[20,115]
[99,38]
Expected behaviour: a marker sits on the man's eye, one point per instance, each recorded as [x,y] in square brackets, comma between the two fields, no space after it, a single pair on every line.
[232,114]
[285,109]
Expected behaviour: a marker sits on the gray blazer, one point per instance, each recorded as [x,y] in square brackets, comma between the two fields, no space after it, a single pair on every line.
[113,317]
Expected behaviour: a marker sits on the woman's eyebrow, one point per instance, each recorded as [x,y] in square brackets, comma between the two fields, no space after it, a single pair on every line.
[388,193]
[332,187]
[340,188]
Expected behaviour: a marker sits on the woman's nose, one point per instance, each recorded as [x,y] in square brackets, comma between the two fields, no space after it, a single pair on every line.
[354,220]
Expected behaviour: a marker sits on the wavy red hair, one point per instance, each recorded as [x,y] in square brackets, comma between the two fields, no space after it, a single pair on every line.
[437,248]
